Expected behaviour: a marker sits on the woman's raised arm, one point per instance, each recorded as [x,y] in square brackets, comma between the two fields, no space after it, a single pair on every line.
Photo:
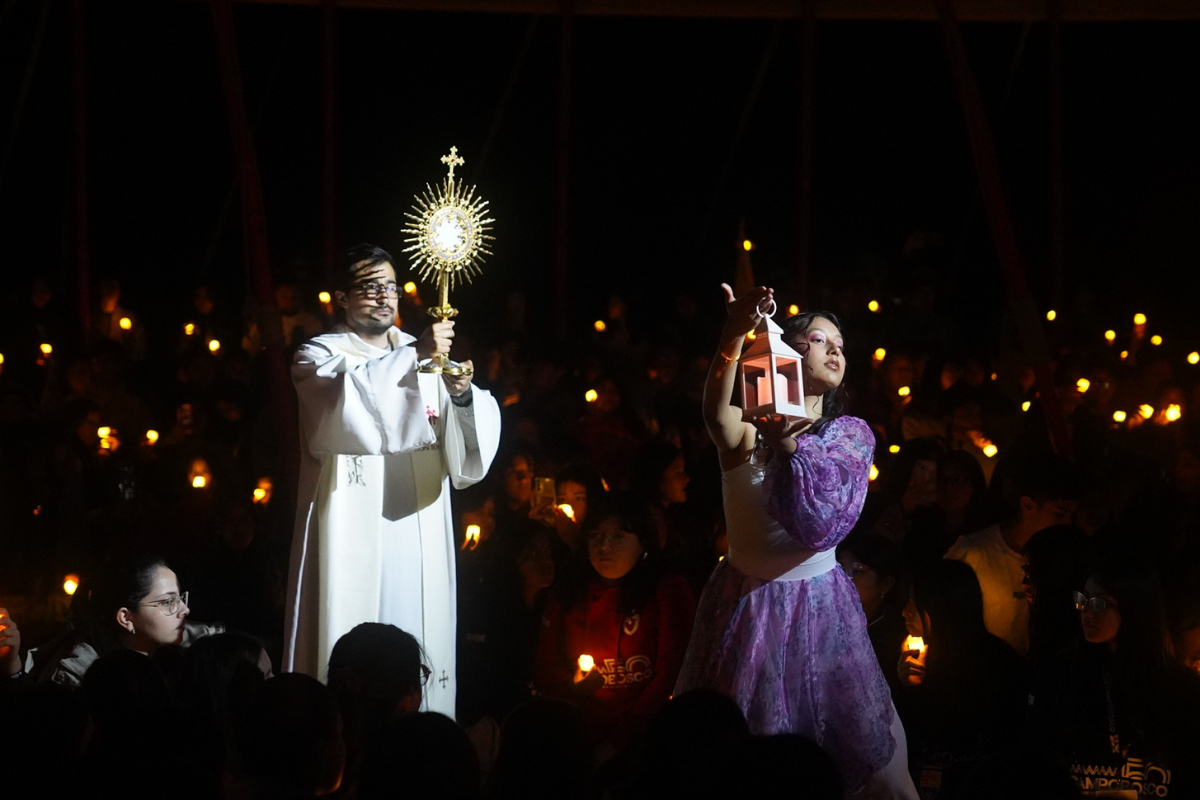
[724,420]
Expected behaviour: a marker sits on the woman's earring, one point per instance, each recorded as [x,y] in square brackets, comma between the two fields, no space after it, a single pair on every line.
[132,631]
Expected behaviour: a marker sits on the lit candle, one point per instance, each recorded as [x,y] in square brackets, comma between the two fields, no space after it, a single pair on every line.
[151,436]
[126,323]
[874,306]
[916,643]
[70,584]
[1083,384]
[471,541]
[590,395]
[586,663]
[1119,416]
[214,345]
[325,298]
[567,511]
[600,326]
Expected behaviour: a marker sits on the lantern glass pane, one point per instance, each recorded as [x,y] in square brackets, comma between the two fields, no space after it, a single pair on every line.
[756,376]
[789,370]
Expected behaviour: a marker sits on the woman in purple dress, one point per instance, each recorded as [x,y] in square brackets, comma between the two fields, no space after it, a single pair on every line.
[779,627]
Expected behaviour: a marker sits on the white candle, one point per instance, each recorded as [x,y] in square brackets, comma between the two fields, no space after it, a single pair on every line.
[781,388]
[764,390]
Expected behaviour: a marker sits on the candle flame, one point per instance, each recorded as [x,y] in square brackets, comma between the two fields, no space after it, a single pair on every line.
[1124,354]
[1025,406]
[199,482]
[214,345]
[600,326]
[990,450]
[151,436]
[46,348]
[915,643]
[1110,336]
[104,431]
[874,472]
[325,297]
[126,323]
[1139,319]
[471,540]
[874,306]
[904,391]
[895,448]
[1051,315]
[1173,412]
[189,329]
[590,395]
[568,511]
[586,663]
[1146,410]
[262,492]
[1156,340]
[410,288]
[1193,358]
[1083,384]
[70,584]
[793,310]
[880,354]
[747,245]
[1119,416]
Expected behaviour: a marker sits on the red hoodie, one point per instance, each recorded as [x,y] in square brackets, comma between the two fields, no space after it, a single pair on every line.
[639,656]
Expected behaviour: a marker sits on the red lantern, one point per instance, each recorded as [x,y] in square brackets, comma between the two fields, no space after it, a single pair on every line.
[771,375]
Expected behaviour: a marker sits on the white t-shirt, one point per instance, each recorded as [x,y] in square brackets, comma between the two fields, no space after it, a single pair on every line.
[998,568]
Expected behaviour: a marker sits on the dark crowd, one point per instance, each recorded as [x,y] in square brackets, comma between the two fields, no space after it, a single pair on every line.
[146,519]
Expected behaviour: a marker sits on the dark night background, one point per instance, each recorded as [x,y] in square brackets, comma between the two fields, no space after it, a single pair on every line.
[657,104]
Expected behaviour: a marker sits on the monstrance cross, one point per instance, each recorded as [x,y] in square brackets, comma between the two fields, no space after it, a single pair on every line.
[453,160]
[445,678]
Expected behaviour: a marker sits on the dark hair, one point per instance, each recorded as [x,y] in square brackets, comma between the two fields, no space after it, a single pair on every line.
[122,583]
[875,551]
[544,752]
[1059,561]
[289,735]
[360,260]
[219,672]
[649,466]
[833,402]
[639,584]
[1043,477]
[948,591]
[380,658]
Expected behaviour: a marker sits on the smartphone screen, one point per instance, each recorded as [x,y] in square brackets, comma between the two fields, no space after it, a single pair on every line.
[543,492]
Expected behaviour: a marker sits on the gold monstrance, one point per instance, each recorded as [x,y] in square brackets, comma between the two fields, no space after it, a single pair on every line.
[447,234]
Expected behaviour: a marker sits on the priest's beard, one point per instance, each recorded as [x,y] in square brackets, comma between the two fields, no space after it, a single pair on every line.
[374,326]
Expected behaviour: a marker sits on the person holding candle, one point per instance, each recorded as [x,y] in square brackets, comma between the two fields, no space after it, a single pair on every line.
[624,611]
[779,628]
[962,690]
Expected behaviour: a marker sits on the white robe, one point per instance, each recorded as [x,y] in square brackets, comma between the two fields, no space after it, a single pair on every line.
[374,540]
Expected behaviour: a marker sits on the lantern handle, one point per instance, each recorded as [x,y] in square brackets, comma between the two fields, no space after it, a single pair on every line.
[770,313]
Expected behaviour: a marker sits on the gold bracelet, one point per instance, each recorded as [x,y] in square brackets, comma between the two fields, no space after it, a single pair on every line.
[728,360]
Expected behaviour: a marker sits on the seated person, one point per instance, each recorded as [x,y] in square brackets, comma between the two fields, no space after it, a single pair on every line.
[633,619]
[964,695]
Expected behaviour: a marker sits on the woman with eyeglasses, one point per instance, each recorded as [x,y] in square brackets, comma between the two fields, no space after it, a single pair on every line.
[624,611]
[135,604]
[1115,704]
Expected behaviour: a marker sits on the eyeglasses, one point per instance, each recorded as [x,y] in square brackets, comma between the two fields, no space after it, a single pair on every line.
[857,568]
[1093,605]
[169,605]
[373,291]
[425,673]
[598,537]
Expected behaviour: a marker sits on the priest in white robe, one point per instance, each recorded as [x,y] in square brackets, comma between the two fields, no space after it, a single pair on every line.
[380,444]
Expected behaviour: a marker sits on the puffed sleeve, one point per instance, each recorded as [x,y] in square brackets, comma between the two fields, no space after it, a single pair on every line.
[817,493]
[368,409]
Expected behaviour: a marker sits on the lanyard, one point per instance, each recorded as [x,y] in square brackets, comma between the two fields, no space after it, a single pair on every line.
[1113,739]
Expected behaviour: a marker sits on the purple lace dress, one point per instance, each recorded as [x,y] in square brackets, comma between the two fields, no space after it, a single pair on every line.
[779,626]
